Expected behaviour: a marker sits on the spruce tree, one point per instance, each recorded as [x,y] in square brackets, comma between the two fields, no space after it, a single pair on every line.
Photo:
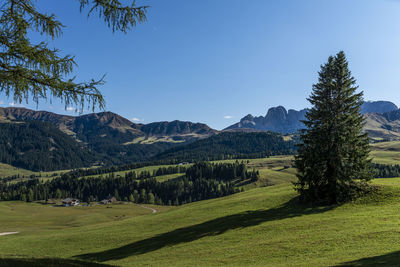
[332,159]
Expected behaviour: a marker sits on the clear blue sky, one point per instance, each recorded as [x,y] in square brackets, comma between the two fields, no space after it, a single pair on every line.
[215,61]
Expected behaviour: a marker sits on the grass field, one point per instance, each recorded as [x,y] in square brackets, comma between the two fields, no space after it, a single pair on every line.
[263,226]
[36,217]
[259,227]
[386,152]
[138,170]
[7,170]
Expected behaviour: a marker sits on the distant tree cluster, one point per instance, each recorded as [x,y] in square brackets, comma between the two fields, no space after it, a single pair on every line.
[230,145]
[132,173]
[386,171]
[158,172]
[200,182]
[104,170]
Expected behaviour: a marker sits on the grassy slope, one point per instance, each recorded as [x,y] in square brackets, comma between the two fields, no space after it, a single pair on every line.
[138,170]
[8,170]
[38,217]
[272,170]
[257,227]
[386,152]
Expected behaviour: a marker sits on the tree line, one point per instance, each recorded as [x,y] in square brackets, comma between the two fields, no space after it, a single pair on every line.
[386,171]
[230,145]
[199,182]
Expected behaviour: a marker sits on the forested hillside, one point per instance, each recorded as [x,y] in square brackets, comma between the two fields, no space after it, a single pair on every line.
[228,145]
[112,139]
[40,146]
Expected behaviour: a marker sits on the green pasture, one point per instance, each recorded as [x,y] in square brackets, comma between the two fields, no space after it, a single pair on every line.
[259,227]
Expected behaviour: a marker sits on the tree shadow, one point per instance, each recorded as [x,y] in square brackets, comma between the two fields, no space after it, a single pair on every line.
[47,262]
[210,228]
[391,259]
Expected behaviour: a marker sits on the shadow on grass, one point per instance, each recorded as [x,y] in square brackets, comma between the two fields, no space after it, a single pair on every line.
[55,262]
[391,259]
[210,228]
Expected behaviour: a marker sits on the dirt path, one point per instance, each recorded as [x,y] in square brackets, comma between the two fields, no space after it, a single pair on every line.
[153,210]
[8,233]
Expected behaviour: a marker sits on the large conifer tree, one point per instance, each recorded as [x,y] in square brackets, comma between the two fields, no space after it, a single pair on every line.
[333,159]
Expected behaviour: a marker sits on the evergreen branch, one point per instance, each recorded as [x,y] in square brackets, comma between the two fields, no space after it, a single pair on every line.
[117,16]
[28,69]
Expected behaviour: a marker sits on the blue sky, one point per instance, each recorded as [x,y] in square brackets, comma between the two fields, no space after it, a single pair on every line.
[215,61]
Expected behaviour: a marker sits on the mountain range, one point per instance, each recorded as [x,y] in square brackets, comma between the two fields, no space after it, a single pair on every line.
[42,140]
[108,126]
[382,120]
[109,138]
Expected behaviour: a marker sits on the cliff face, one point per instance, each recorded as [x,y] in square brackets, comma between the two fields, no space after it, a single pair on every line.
[277,119]
[378,107]
[383,120]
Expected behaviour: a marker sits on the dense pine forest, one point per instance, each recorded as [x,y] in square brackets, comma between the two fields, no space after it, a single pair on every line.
[201,181]
[40,146]
[386,171]
[231,145]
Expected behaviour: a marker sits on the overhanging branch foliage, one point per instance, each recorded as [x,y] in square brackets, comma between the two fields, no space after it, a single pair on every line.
[35,71]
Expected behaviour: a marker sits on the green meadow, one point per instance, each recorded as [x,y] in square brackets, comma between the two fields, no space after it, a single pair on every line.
[262,226]
[258,227]
[386,152]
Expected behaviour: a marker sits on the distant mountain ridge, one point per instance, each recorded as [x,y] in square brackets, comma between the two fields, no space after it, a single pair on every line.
[97,122]
[111,138]
[42,140]
[378,107]
[279,120]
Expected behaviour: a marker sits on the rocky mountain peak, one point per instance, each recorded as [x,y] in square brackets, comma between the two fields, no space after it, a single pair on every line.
[378,107]
[276,113]
[248,117]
